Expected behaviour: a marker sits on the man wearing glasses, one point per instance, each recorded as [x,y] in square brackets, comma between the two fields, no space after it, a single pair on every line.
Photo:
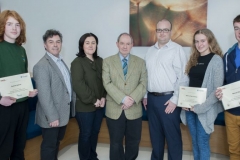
[165,62]
[232,74]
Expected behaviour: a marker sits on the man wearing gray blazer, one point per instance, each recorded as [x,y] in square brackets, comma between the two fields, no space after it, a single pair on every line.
[55,95]
[125,80]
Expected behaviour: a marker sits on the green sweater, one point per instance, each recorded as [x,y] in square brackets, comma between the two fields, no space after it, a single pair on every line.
[13,61]
[87,82]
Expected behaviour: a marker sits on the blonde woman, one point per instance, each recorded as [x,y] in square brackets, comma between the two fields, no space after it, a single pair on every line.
[205,70]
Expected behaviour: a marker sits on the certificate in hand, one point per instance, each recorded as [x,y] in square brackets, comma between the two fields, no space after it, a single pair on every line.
[190,96]
[17,86]
[231,95]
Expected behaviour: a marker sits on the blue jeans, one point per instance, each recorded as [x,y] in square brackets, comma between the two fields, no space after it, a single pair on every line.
[89,125]
[200,139]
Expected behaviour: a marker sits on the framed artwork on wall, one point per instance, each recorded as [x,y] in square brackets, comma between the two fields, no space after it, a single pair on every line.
[186,16]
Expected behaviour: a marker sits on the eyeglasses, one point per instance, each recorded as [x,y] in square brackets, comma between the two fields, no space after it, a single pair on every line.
[236,29]
[165,30]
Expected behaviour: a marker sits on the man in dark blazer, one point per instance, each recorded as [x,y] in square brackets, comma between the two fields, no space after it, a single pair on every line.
[55,96]
[125,80]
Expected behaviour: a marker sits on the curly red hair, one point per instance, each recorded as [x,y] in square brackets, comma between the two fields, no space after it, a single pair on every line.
[3,19]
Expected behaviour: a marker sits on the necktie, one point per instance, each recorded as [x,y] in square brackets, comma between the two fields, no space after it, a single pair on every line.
[125,67]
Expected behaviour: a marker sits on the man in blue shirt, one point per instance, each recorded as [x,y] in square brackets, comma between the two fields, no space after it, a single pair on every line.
[232,74]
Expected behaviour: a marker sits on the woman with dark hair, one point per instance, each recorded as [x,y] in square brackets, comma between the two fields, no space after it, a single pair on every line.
[205,70]
[86,72]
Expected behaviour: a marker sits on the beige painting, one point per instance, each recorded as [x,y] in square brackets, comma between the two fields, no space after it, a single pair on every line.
[186,16]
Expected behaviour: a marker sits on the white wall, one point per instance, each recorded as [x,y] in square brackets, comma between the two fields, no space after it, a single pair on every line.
[105,18]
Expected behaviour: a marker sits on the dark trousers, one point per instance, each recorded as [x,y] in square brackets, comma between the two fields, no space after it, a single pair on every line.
[50,143]
[161,126]
[119,128]
[89,125]
[13,128]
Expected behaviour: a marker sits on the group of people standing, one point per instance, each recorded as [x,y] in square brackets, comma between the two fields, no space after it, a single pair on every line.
[121,82]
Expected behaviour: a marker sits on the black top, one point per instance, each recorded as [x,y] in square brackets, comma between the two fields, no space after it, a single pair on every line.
[196,73]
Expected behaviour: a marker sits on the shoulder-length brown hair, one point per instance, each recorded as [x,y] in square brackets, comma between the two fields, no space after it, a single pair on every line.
[3,19]
[213,47]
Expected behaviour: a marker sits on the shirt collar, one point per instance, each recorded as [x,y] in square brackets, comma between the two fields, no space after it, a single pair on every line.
[121,57]
[54,58]
[166,45]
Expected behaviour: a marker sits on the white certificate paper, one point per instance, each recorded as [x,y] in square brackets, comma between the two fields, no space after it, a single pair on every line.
[190,96]
[17,86]
[231,95]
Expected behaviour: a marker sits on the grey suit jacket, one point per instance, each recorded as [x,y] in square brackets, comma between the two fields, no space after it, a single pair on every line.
[117,87]
[53,97]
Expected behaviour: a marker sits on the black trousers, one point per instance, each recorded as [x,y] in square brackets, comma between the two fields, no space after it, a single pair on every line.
[13,128]
[119,128]
[164,126]
[51,141]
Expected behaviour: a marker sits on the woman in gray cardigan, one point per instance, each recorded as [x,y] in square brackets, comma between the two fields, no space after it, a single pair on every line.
[205,70]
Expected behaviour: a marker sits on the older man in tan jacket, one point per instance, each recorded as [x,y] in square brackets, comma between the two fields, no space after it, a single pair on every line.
[125,80]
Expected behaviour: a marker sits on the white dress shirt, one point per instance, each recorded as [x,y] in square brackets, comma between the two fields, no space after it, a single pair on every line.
[65,72]
[166,68]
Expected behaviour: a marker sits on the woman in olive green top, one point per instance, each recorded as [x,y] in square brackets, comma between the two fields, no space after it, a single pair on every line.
[86,71]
